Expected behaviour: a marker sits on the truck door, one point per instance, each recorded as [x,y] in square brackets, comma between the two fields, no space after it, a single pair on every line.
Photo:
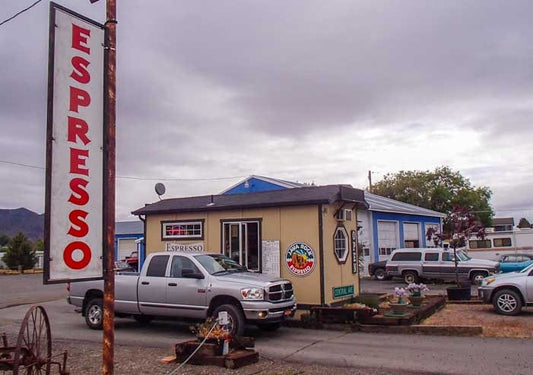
[152,287]
[186,296]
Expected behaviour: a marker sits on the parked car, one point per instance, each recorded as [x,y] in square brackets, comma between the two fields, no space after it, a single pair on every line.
[508,292]
[378,270]
[437,263]
[515,262]
[190,285]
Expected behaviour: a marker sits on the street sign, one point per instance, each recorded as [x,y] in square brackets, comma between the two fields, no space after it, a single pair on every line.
[74,148]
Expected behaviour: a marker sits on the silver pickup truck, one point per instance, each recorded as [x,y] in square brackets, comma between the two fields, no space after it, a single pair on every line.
[190,285]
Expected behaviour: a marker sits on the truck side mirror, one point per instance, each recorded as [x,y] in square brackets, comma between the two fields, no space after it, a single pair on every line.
[189,273]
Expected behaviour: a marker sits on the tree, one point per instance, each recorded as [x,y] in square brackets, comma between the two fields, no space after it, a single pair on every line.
[4,240]
[20,253]
[524,223]
[439,190]
[462,225]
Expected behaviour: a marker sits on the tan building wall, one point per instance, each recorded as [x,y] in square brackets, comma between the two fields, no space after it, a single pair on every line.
[286,225]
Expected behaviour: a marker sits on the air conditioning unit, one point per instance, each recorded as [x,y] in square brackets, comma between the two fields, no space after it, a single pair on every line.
[344,215]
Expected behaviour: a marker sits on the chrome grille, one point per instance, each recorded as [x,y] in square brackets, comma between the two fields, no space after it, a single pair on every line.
[279,292]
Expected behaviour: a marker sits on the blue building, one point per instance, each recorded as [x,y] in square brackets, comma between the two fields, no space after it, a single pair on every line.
[129,240]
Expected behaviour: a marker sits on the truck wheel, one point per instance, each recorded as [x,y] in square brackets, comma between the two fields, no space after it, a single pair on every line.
[94,314]
[507,302]
[477,277]
[380,274]
[410,277]
[143,319]
[235,317]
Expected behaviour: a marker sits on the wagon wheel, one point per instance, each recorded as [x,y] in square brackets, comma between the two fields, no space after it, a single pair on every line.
[34,344]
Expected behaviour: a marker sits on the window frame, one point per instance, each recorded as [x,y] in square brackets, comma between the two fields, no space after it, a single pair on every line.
[188,237]
[346,240]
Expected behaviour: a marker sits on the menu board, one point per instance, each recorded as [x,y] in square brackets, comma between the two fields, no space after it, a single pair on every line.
[271,258]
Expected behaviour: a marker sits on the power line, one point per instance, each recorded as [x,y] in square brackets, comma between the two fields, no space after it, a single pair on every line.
[136,178]
[19,13]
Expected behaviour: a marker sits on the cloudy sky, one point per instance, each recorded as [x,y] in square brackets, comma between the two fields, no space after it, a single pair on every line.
[210,92]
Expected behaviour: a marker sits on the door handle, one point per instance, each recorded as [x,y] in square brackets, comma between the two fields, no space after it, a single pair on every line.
[172,284]
[145,283]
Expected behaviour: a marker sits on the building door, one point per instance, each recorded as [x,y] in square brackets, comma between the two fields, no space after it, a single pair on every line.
[241,243]
[388,238]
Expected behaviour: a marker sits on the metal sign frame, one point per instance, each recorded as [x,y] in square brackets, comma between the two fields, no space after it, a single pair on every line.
[80,71]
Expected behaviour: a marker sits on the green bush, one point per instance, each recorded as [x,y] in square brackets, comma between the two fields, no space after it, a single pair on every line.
[20,253]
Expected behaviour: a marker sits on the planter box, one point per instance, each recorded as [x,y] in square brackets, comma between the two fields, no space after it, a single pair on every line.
[459,293]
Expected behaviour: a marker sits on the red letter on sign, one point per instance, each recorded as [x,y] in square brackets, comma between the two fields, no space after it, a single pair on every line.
[78,97]
[77,127]
[77,161]
[77,264]
[79,36]
[78,185]
[77,218]
[80,72]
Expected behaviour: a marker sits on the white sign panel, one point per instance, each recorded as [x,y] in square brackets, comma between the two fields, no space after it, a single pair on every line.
[187,247]
[271,258]
[74,186]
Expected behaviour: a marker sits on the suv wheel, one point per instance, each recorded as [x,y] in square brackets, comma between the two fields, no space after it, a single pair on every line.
[477,277]
[410,277]
[380,274]
[507,302]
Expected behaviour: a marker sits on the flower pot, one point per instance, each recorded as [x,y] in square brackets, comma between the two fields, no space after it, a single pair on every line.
[458,293]
[416,300]
[399,308]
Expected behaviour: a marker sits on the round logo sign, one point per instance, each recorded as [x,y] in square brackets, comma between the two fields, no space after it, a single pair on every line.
[300,259]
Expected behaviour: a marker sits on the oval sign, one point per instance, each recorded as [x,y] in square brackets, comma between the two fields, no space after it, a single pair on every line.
[300,259]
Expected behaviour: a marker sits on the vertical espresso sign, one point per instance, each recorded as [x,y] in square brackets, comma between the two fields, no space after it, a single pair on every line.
[74,148]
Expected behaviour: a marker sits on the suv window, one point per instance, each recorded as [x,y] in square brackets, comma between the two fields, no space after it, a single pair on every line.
[158,266]
[431,257]
[407,256]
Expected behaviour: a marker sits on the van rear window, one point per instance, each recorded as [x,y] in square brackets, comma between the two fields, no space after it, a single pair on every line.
[407,256]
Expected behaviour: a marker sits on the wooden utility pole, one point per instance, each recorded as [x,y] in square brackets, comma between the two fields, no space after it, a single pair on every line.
[370,181]
[109,187]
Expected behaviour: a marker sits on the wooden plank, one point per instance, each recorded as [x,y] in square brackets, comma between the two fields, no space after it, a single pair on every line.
[241,358]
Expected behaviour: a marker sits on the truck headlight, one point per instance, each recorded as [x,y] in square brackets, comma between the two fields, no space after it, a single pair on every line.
[253,294]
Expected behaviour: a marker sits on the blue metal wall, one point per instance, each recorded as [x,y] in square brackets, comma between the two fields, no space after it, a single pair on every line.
[400,219]
[255,185]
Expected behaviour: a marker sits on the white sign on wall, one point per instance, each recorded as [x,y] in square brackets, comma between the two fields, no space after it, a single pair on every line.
[186,247]
[271,258]
[74,153]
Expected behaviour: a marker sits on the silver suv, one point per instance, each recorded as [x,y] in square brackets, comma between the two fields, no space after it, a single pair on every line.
[508,292]
[437,263]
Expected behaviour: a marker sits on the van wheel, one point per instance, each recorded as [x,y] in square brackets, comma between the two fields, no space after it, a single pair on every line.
[507,302]
[94,314]
[477,277]
[410,277]
[380,274]
[235,317]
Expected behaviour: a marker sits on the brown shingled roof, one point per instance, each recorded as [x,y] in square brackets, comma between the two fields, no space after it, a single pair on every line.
[287,197]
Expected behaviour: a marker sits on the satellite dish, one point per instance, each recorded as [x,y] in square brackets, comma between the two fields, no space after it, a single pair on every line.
[160,189]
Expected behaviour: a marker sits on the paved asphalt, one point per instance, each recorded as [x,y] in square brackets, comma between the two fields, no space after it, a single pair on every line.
[424,354]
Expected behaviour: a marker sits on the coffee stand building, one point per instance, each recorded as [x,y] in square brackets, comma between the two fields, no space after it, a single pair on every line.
[306,235]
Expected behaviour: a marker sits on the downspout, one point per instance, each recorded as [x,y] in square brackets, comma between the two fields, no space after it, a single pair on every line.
[321,253]
[142,253]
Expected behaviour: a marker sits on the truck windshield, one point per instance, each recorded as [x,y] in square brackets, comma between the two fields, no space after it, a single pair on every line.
[214,263]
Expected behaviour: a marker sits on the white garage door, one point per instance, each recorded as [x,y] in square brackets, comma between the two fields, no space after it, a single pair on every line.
[411,235]
[387,238]
[125,247]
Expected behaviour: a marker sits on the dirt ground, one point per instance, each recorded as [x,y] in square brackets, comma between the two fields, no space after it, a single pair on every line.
[494,325]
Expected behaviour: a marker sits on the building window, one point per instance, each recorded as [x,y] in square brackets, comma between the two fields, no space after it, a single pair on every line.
[182,230]
[386,250]
[435,229]
[388,237]
[341,244]
[242,242]
[479,244]
[502,242]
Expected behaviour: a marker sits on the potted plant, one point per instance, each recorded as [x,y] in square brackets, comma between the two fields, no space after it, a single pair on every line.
[399,306]
[416,293]
[459,226]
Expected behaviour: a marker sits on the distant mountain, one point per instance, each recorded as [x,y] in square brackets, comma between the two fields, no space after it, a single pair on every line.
[22,220]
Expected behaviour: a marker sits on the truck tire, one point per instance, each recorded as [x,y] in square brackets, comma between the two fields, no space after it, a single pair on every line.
[507,302]
[477,277]
[235,317]
[410,277]
[94,313]
[380,274]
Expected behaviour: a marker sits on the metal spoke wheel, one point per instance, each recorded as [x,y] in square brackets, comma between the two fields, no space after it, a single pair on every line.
[34,344]
[507,302]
